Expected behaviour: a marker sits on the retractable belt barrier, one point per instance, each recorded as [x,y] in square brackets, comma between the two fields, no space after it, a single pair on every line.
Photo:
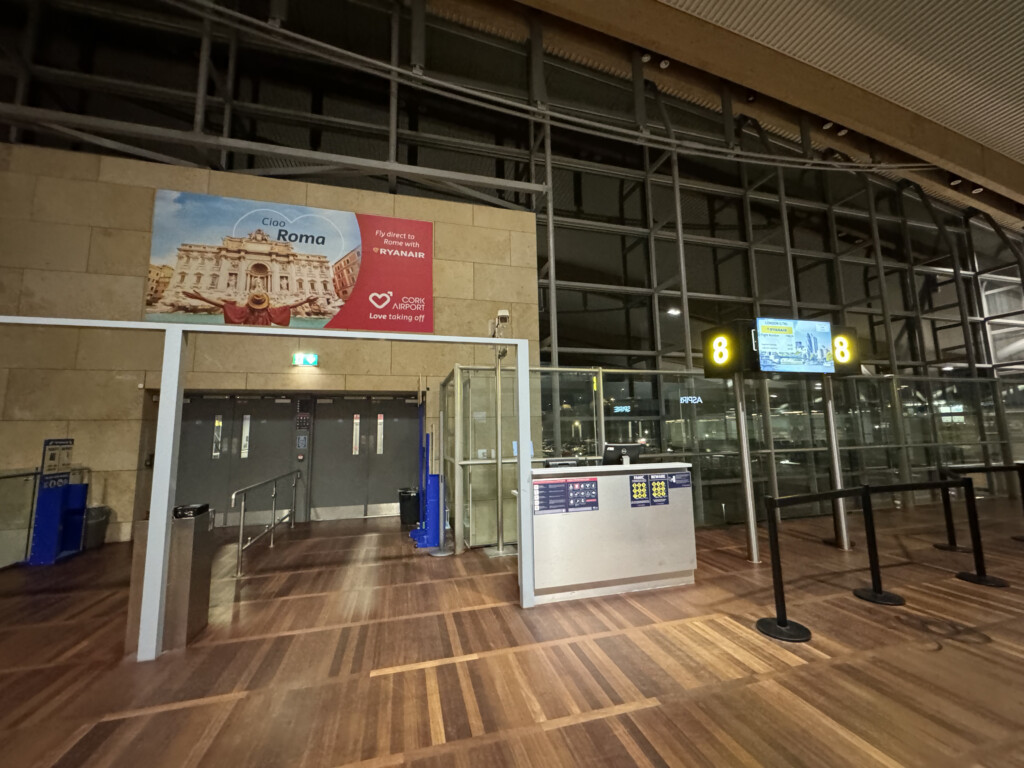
[781,628]
[970,469]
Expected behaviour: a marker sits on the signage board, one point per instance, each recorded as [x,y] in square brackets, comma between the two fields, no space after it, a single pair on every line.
[555,496]
[845,351]
[217,260]
[794,346]
[639,491]
[728,349]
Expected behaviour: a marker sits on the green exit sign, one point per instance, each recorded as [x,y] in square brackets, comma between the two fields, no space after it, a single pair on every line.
[305,359]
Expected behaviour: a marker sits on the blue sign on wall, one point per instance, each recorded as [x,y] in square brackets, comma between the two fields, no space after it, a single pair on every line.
[60,506]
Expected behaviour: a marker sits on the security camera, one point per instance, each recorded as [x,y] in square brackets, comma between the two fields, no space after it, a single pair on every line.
[504,316]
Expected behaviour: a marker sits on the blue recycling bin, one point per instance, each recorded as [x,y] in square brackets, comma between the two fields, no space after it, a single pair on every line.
[59,522]
[428,533]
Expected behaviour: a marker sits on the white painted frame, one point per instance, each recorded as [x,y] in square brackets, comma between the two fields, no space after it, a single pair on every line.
[165,465]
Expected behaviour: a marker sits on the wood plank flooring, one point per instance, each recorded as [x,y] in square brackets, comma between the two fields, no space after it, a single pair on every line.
[345,646]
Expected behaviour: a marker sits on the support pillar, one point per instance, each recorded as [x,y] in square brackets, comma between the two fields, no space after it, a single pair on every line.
[842,536]
[746,471]
[165,474]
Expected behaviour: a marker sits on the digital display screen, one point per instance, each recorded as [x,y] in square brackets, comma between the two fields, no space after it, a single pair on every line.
[794,346]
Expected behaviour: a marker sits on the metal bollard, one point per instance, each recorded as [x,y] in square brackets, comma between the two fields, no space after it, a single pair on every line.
[874,594]
[1020,477]
[291,515]
[241,538]
[979,576]
[779,627]
[947,510]
[273,514]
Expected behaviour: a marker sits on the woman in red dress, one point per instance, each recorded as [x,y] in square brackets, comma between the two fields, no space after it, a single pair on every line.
[256,311]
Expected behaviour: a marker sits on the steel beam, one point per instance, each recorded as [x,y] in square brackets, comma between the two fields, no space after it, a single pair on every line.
[33,116]
[29,37]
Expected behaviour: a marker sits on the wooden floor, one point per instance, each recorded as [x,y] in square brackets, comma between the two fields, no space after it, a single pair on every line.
[345,646]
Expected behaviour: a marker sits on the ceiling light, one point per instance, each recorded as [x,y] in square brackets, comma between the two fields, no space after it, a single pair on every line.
[751,96]
[955,181]
[664,63]
[977,189]
[947,367]
[842,131]
[827,126]
[675,311]
[645,57]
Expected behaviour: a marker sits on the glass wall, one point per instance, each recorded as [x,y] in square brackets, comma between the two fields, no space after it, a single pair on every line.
[657,219]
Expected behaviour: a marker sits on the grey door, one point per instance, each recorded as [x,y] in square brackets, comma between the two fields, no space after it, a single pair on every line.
[339,468]
[262,447]
[204,452]
[360,463]
[394,452]
[229,443]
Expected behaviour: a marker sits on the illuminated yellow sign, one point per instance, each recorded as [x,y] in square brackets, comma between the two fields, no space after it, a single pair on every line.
[720,350]
[841,349]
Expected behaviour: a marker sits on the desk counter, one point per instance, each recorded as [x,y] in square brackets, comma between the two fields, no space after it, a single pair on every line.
[609,529]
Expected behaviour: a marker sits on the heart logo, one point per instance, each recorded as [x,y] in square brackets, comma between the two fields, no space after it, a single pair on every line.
[380,300]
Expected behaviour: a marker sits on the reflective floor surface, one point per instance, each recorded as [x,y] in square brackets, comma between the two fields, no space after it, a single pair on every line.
[345,646]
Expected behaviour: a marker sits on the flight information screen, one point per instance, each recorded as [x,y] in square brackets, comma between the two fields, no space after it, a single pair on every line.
[794,346]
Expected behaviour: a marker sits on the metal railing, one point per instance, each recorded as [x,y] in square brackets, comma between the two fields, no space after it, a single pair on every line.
[780,627]
[274,522]
[1018,467]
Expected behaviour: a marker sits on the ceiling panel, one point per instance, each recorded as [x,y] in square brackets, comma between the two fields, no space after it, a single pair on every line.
[960,64]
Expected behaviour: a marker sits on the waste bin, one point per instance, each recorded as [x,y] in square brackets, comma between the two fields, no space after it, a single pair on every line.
[409,506]
[189,573]
[96,521]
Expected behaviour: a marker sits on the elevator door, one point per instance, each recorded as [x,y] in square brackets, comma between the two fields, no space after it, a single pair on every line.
[364,450]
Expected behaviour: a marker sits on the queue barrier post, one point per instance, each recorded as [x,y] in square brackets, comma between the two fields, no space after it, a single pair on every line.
[947,510]
[779,627]
[980,576]
[874,593]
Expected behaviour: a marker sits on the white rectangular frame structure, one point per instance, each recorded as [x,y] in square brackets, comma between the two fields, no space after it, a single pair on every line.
[165,466]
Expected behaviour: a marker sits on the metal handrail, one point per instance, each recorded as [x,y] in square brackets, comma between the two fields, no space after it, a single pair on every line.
[243,545]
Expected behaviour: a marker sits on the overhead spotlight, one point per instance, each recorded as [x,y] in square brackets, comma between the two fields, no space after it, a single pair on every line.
[827,126]
[664,63]
[977,189]
[751,96]
[955,181]
[947,367]
[842,131]
[674,311]
[645,57]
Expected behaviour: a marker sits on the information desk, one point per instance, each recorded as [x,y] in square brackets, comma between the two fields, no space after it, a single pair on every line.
[608,529]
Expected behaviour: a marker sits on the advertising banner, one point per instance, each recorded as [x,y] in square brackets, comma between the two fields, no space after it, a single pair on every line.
[222,260]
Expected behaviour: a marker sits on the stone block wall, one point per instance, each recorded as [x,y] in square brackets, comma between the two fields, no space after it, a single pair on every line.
[74,243]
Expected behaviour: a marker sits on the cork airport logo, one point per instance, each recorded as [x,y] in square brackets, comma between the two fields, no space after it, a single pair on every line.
[242,262]
[380,300]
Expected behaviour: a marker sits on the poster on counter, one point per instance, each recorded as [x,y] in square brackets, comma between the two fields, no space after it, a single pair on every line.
[658,485]
[639,491]
[222,260]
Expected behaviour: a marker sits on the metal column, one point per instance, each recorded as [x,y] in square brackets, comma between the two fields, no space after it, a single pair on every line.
[883,292]
[28,54]
[746,471]
[842,536]
[203,80]
[499,550]
[459,513]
